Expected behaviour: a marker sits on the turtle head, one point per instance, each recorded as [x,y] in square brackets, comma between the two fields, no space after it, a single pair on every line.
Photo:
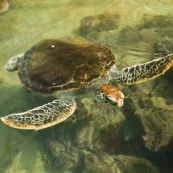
[12,63]
[109,95]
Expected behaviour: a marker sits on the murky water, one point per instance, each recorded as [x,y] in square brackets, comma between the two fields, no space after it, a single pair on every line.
[27,22]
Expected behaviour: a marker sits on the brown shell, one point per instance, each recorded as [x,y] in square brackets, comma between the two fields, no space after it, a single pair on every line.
[62,64]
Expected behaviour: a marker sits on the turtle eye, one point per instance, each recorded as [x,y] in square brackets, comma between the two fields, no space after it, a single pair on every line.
[111,99]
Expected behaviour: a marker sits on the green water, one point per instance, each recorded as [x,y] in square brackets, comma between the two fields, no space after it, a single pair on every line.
[27,22]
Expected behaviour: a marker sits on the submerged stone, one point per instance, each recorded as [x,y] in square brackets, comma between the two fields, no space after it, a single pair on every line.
[116,164]
[98,23]
[158,126]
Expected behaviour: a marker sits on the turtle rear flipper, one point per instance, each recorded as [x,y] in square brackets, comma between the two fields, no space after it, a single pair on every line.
[43,116]
[12,63]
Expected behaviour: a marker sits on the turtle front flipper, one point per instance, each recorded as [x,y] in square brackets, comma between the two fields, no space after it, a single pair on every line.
[144,72]
[43,116]
[12,63]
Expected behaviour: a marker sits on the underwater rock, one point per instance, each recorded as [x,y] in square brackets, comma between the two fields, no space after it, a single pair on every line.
[134,164]
[101,163]
[91,26]
[149,35]
[100,129]
[129,35]
[64,155]
[107,38]
[4,4]
[135,34]
[67,142]
[106,29]
[68,157]
[91,143]
[158,31]
[154,111]
[157,124]
[156,21]
[151,103]
[163,47]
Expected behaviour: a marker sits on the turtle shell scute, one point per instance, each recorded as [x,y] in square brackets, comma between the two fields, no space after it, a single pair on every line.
[64,64]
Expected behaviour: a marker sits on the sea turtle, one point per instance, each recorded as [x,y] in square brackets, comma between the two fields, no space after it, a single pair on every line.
[73,67]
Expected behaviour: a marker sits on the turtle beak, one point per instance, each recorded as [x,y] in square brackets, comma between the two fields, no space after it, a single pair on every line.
[120,103]
[114,102]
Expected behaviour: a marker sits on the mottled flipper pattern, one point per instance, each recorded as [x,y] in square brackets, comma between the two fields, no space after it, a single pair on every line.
[146,71]
[42,116]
